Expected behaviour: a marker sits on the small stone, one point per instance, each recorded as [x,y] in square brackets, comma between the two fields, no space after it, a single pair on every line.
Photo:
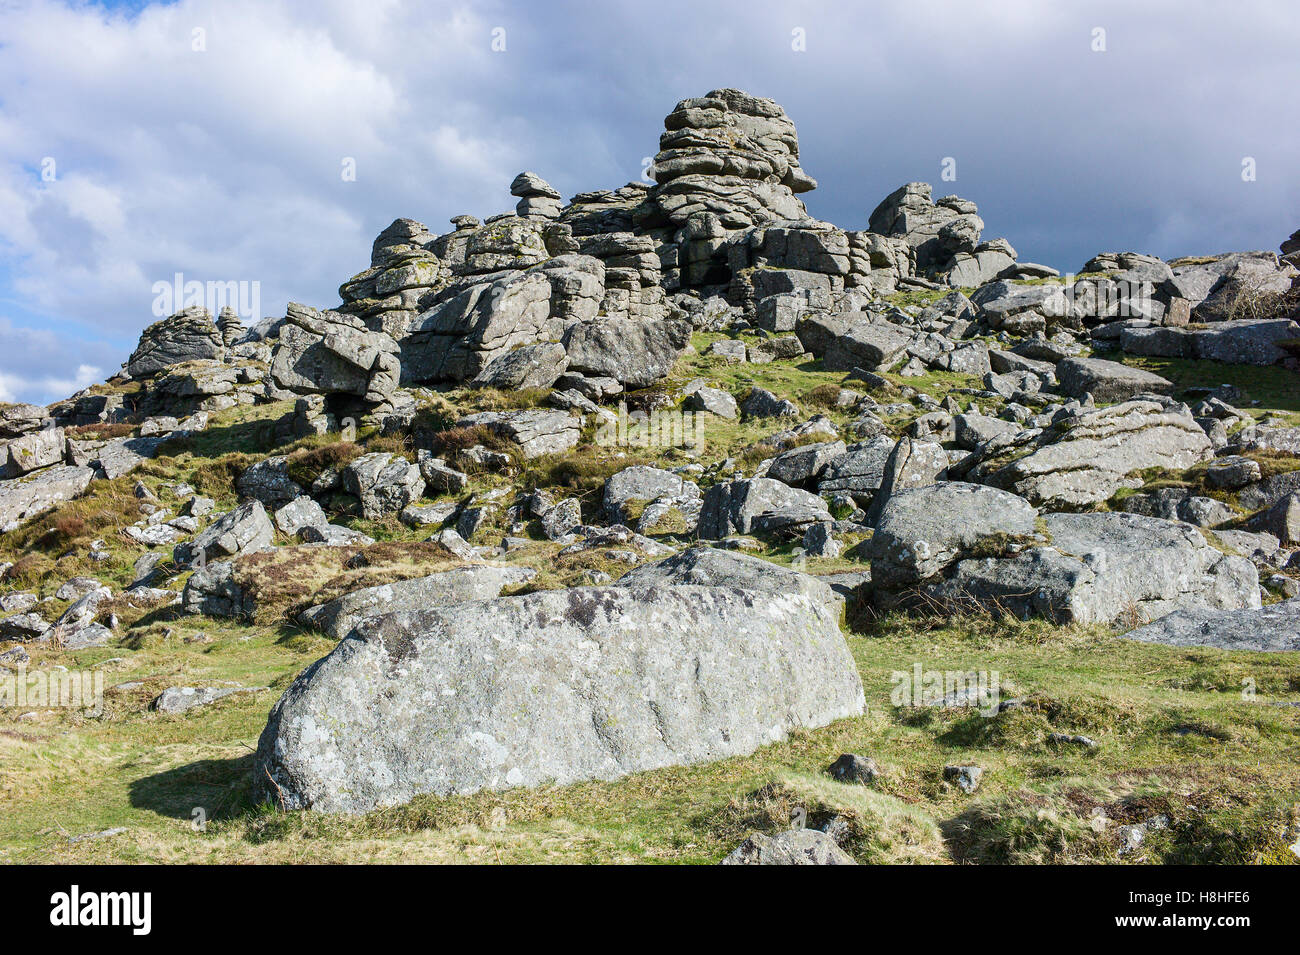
[965,778]
[852,768]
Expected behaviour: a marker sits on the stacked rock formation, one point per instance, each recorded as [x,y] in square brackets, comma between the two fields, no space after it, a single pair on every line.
[537,197]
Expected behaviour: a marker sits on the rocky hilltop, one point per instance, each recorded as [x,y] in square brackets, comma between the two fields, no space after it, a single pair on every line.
[535,479]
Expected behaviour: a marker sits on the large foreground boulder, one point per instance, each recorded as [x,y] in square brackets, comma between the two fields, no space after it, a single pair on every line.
[1275,627]
[552,687]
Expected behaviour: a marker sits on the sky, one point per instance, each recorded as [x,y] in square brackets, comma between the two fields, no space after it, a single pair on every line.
[266,142]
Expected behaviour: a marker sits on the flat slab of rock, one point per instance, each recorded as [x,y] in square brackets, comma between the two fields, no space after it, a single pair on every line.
[537,431]
[1107,380]
[178,699]
[454,586]
[551,687]
[1271,628]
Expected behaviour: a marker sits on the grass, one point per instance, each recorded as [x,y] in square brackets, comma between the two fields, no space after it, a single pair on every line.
[1273,386]
[1177,737]
[1227,785]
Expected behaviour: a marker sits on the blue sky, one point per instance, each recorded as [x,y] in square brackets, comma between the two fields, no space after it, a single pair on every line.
[223,162]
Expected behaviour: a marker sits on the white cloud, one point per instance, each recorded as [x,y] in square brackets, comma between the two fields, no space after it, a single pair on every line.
[16,388]
[225,164]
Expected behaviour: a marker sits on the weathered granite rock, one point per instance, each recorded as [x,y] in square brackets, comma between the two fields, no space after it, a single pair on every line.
[761,403]
[706,566]
[1271,628]
[714,401]
[1103,568]
[730,156]
[871,346]
[1282,520]
[469,325]
[1107,380]
[1246,342]
[23,627]
[791,847]
[29,496]
[19,419]
[537,431]
[529,366]
[36,449]
[178,699]
[640,485]
[757,505]
[1086,457]
[299,513]
[268,481]
[912,463]
[923,531]
[244,530]
[636,353]
[860,470]
[331,353]
[383,482]
[188,335]
[552,687]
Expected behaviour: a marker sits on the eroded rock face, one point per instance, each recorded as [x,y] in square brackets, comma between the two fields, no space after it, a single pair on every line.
[1104,568]
[636,353]
[731,155]
[552,687]
[944,234]
[189,335]
[323,352]
[1086,457]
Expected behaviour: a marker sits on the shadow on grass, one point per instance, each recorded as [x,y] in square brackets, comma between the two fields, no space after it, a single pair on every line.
[221,788]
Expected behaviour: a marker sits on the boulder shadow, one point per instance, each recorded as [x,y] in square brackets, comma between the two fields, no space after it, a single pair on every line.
[221,788]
